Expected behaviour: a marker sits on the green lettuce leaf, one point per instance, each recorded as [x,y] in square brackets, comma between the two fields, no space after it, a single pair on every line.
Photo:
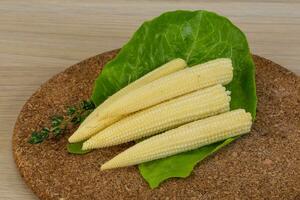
[158,170]
[197,37]
[76,148]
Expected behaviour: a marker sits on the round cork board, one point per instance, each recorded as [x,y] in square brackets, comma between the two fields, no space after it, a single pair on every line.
[263,164]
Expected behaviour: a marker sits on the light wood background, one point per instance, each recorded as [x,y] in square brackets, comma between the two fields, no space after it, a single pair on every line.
[41,38]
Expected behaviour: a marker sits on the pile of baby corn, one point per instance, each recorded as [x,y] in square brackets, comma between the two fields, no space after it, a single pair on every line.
[182,108]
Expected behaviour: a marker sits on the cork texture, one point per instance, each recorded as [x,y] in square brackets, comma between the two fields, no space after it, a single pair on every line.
[264,164]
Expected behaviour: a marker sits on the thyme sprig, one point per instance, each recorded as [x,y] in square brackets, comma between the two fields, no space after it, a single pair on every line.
[74,115]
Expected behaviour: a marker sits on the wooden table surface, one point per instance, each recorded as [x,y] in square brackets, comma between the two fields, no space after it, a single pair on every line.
[38,40]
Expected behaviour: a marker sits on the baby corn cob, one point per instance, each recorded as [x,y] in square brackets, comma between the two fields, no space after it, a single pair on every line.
[187,137]
[200,104]
[218,71]
[166,69]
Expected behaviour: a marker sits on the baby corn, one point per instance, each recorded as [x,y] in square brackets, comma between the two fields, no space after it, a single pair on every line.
[200,104]
[166,69]
[187,137]
[218,71]
[182,82]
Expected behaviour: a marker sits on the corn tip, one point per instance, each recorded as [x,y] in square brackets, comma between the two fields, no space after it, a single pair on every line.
[102,168]
[75,138]
[72,139]
[105,166]
[249,115]
[85,146]
[180,59]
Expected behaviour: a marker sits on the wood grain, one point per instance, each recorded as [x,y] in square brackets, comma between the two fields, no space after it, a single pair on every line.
[38,40]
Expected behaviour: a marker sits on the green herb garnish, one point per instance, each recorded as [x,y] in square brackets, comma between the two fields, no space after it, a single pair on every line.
[71,110]
[38,137]
[88,105]
[74,116]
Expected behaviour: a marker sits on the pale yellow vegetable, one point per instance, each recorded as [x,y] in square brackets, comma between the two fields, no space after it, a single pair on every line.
[182,82]
[187,137]
[200,104]
[164,70]
[218,71]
